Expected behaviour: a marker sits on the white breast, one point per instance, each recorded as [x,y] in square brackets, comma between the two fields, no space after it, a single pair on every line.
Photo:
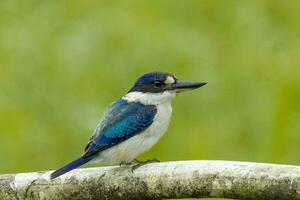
[138,144]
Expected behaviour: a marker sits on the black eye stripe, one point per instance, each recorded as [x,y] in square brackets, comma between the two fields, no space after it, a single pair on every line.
[158,83]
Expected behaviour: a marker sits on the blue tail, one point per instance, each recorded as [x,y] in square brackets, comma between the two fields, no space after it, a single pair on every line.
[68,167]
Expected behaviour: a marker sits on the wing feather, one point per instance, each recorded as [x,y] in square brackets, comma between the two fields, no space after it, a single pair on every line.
[121,121]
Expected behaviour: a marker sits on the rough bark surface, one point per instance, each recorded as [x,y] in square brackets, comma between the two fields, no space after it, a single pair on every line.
[182,179]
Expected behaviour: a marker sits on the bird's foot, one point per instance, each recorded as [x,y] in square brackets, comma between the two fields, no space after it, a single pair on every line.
[146,161]
[140,163]
[125,163]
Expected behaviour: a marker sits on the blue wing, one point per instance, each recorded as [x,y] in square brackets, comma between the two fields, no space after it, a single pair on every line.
[121,121]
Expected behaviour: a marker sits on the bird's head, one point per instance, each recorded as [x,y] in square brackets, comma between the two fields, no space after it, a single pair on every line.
[157,87]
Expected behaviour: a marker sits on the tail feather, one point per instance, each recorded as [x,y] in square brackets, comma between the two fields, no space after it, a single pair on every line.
[68,167]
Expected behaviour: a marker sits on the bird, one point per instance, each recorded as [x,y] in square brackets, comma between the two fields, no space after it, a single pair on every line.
[132,124]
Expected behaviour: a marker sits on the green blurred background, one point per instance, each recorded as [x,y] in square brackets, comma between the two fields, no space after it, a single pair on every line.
[63,62]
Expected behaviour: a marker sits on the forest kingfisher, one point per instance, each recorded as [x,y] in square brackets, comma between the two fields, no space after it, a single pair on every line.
[134,123]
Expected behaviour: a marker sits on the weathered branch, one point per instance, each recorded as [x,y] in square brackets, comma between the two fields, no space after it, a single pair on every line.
[160,180]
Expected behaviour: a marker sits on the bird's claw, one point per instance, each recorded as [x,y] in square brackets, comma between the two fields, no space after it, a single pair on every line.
[124,163]
[141,163]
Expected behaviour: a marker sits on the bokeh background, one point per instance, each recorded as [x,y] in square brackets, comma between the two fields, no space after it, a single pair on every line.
[62,62]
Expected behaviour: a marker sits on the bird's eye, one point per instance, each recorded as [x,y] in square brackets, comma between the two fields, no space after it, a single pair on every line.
[158,83]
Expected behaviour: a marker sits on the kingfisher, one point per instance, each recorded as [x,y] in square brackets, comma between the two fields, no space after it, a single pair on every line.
[133,124]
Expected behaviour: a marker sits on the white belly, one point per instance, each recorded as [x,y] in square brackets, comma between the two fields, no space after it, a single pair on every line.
[138,144]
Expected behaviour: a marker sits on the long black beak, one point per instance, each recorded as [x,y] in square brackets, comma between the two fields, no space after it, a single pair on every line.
[181,86]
